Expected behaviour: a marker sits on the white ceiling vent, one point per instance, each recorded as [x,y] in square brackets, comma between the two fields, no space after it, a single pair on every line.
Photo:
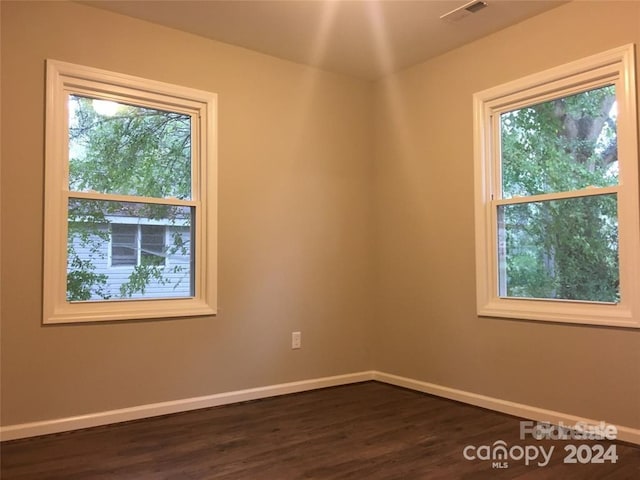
[467,9]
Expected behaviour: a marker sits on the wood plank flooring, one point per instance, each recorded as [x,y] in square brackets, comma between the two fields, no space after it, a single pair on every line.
[362,431]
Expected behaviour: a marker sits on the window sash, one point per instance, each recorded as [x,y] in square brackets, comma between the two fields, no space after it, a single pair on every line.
[162,118]
[602,292]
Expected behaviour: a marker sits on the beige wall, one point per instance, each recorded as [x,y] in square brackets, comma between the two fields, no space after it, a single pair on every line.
[426,325]
[315,236]
[294,209]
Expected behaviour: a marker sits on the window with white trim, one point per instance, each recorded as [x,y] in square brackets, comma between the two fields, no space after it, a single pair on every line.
[557,229]
[130,197]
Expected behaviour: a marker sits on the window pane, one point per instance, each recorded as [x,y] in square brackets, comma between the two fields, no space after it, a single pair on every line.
[125,149]
[561,145]
[124,245]
[560,249]
[151,246]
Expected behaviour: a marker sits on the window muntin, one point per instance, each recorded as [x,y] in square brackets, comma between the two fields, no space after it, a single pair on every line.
[127,151]
[538,203]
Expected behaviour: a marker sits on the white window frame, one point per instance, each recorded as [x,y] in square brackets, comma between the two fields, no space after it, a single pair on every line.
[616,66]
[64,79]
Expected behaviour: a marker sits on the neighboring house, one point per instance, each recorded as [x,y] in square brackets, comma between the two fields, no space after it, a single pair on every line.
[117,248]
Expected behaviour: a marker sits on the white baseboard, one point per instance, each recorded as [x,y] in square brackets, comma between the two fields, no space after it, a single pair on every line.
[13,432]
[626,434]
[24,430]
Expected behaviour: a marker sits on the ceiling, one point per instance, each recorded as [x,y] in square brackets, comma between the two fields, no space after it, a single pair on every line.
[362,38]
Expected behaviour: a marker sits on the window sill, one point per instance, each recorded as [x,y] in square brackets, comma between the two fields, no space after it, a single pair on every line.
[113,310]
[558,311]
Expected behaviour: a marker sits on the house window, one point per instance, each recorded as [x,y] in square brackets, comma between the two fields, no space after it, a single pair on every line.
[124,245]
[557,194]
[151,249]
[130,182]
[133,245]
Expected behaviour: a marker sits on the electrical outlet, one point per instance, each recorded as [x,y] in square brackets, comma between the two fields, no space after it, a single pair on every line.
[296,340]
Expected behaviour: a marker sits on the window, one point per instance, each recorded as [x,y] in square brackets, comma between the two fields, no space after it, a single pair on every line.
[130,217]
[151,247]
[557,231]
[134,245]
[124,245]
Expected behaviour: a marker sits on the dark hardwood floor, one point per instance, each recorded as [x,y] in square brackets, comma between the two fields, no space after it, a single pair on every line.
[363,431]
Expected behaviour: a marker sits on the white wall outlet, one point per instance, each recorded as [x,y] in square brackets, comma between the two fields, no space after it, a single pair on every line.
[296,340]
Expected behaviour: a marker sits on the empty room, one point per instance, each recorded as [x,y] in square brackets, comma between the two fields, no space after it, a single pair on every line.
[319,239]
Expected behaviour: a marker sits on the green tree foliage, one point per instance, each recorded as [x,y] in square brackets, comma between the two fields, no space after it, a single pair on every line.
[130,151]
[563,248]
[85,233]
[137,151]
